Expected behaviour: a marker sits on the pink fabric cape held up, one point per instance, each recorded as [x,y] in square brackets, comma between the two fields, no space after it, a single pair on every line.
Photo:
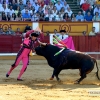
[69,42]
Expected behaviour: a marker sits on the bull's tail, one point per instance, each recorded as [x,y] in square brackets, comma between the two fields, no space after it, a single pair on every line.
[97,73]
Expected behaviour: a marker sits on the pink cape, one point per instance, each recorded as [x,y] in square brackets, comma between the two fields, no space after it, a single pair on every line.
[69,42]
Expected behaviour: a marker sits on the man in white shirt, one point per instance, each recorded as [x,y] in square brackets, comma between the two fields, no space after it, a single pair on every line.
[11,11]
[63,35]
[66,5]
[5,9]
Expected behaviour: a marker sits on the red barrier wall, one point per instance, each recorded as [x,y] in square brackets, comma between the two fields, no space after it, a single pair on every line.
[11,44]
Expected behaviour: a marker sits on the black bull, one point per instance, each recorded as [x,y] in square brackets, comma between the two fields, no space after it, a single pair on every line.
[67,59]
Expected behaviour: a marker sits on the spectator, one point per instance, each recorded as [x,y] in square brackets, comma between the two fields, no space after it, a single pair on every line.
[8,16]
[96,17]
[51,5]
[79,17]
[47,33]
[84,33]
[69,11]
[92,33]
[35,17]
[97,9]
[85,7]
[19,17]
[66,17]
[88,17]
[41,17]
[65,5]
[56,33]
[10,31]
[54,11]
[63,35]
[4,17]
[13,17]
[26,16]
[73,17]
[28,4]
[1,31]
[62,11]
[11,11]
[36,6]
[18,32]
[89,10]
[5,9]
[58,5]
[21,5]
[17,10]
[14,5]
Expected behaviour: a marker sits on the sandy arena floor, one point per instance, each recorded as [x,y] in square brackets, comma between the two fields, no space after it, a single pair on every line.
[37,86]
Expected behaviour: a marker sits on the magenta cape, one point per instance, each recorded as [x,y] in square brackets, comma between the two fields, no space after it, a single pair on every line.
[69,42]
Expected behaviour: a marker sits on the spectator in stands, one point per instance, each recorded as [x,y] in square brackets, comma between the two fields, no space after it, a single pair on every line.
[17,10]
[85,7]
[92,33]
[54,10]
[65,5]
[73,17]
[90,10]
[1,31]
[11,11]
[8,16]
[79,17]
[63,35]
[35,17]
[28,4]
[13,17]
[97,9]
[66,17]
[21,5]
[18,32]
[56,33]
[14,5]
[84,33]
[10,31]
[36,6]
[26,16]
[41,18]
[5,9]
[88,17]
[4,17]
[19,17]
[51,5]
[58,5]
[69,11]
[96,17]
[47,33]
[62,11]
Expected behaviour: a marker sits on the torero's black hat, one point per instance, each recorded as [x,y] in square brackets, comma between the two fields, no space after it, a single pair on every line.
[62,31]
[34,34]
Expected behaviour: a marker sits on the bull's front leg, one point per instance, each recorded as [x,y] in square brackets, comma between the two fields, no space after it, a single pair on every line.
[53,75]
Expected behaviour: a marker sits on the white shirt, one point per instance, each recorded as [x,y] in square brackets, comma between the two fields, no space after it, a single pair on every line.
[69,13]
[64,36]
[5,10]
[11,11]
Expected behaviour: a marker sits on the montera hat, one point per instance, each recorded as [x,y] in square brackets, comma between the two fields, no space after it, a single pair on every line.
[34,34]
[62,31]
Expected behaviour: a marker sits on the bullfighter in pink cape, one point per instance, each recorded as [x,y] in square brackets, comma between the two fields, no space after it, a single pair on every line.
[23,54]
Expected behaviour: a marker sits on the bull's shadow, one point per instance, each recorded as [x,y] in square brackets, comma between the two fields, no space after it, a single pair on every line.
[38,73]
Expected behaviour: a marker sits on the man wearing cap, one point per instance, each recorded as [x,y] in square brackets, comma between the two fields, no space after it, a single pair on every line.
[63,36]
[23,55]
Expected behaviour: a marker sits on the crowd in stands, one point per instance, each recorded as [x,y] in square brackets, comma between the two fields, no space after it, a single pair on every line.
[47,10]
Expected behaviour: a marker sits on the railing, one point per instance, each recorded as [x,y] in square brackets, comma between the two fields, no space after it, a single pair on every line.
[11,44]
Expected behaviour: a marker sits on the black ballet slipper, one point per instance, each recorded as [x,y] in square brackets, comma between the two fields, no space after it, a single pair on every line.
[7,75]
[19,79]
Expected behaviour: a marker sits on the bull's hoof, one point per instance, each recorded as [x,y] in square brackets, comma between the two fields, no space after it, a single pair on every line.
[51,78]
[76,82]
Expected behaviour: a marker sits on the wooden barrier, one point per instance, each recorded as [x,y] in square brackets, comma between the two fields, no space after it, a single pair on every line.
[73,28]
[14,25]
[11,44]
